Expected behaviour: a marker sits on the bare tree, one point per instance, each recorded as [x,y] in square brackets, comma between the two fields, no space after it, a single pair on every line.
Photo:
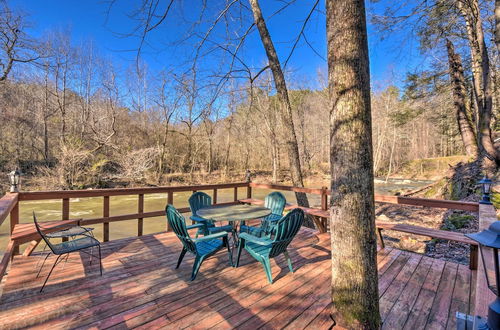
[352,224]
[459,95]
[497,25]
[15,45]
[265,106]
[168,103]
[481,81]
[285,107]
[63,55]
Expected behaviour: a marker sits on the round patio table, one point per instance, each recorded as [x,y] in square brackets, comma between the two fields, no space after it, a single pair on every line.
[234,214]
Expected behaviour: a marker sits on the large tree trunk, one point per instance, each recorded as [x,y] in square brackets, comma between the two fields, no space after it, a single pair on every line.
[497,25]
[284,102]
[457,80]
[481,81]
[274,154]
[352,223]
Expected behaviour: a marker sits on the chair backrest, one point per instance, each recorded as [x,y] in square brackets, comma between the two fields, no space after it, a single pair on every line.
[199,200]
[41,233]
[286,229]
[178,224]
[275,201]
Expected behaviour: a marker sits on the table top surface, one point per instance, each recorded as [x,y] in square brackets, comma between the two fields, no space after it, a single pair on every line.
[233,212]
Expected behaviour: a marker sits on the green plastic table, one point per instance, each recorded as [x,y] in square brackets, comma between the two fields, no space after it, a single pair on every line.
[234,214]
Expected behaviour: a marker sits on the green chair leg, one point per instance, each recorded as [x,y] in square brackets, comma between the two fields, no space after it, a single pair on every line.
[196,267]
[240,247]
[225,242]
[288,260]
[183,253]
[267,267]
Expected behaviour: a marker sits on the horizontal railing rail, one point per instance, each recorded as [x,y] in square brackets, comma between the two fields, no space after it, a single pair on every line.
[59,194]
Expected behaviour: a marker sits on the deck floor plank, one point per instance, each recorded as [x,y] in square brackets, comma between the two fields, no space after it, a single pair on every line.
[392,294]
[402,307]
[438,316]
[419,313]
[460,298]
[140,288]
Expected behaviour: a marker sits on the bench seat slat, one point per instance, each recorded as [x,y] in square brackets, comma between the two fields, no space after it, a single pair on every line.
[25,232]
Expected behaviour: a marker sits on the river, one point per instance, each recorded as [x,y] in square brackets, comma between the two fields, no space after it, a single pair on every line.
[91,207]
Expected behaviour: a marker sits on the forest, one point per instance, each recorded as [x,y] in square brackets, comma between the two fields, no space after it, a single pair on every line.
[70,118]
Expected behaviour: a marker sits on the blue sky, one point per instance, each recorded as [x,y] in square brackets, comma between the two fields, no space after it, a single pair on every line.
[390,58]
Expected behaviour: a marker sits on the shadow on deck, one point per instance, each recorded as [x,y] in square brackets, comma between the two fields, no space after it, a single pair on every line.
[140,287]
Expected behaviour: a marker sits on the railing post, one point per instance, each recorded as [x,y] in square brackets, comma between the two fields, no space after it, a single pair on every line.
[324,206]
[214,197]
[473,261]
[170,200]
[105,214]
[249,191]
[140,210]
[487,216]
[235,194]
[65,213]
[14,220]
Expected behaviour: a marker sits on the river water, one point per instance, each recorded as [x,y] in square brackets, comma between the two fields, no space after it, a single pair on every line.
[91,207]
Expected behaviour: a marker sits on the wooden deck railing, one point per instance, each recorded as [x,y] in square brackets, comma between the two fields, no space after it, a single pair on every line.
[9,205]
[140,192]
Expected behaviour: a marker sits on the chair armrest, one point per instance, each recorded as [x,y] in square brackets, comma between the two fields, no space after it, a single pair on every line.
[210,237]
[255,239]
[226,228]
[198,218]
[197,225]
[251,229]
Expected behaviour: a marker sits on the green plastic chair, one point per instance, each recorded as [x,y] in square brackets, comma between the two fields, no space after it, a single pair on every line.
[197,201]
[202,247]
[263,249]
[275,201]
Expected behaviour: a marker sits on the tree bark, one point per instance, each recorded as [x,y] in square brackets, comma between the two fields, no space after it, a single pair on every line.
[352,223]
[284,102]
[457,81]
[481,81]
[274,154]
[497,25]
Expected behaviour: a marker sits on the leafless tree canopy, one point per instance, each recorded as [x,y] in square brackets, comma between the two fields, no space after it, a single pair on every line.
[15,45]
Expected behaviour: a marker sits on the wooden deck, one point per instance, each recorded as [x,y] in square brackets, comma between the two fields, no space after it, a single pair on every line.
[140,287]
